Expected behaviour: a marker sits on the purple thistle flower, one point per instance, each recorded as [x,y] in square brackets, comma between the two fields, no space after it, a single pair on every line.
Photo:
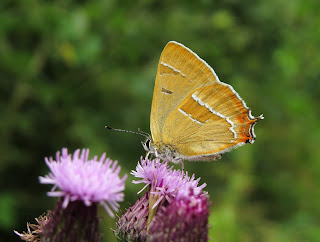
[184,219]
[174,208]
[90,181]
[166,183]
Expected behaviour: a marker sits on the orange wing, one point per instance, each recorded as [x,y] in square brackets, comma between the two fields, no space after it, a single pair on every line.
[209,121]
[178,75]
[193,113]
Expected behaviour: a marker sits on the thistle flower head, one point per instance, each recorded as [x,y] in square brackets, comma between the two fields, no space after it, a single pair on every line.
[166,183]
[89,180]
[174,208]
[184,219]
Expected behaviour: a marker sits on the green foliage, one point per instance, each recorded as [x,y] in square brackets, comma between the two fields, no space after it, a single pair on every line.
[67,68]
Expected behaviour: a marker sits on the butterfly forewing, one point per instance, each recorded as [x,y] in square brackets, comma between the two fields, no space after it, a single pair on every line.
[180,72]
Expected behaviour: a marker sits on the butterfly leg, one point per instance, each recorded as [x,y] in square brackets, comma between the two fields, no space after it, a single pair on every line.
[147,155]
[182,165]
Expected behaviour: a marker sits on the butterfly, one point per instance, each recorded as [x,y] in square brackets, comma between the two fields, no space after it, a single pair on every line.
[195,116]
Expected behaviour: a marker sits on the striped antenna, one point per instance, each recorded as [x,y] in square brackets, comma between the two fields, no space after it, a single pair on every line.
[128,131]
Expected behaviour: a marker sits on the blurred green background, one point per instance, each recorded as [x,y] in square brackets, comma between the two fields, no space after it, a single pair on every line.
[67,68]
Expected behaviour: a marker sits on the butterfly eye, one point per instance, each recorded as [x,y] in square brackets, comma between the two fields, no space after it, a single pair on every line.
[147,144]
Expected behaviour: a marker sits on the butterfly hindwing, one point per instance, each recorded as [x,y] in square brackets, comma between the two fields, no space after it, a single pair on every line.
[209,121]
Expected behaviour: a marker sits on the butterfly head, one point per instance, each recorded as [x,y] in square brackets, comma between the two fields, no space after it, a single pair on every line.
[147,145]
[160,150]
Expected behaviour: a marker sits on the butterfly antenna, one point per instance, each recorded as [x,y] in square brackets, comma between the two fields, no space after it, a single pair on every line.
[128,131]
[142,132]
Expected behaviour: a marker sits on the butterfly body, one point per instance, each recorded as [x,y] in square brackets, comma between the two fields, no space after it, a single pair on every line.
[195,116]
